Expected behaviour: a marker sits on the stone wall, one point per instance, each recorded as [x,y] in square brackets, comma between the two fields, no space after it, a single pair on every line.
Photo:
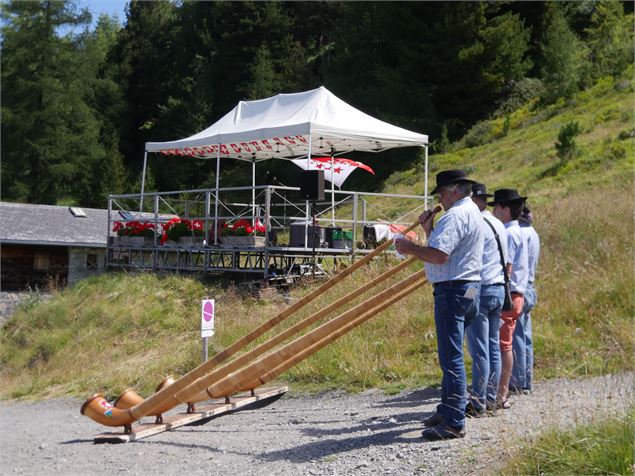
[85,262]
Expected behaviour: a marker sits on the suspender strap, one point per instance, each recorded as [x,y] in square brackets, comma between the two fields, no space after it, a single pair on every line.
[500,249]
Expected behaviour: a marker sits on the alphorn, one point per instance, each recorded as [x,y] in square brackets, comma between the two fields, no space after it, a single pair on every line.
[233,381]
[312,349]
[235,364]
[133,398]
[98,409]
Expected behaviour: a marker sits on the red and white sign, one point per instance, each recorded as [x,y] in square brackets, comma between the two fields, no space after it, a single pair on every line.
[336,170]
[207,317]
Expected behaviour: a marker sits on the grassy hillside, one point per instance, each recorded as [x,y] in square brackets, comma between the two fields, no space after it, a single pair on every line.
[117,330]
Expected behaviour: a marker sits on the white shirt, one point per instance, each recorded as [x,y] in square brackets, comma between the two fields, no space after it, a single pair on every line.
[492,272]
[459,234]
[533,249]
[517,250]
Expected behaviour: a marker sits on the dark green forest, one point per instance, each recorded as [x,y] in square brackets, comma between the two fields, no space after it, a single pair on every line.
[79,101]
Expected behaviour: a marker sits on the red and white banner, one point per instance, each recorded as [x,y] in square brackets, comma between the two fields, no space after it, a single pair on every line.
[336,170]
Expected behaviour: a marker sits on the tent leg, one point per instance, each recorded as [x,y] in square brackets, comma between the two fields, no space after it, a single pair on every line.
[425,174]
[143,179]
[332,191]
[253,193]
[216,200]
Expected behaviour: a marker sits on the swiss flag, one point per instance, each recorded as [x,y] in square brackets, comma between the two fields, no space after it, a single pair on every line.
[341,169]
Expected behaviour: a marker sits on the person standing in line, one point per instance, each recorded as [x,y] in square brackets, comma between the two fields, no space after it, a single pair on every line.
[482,334]
[507,207]
[522,372]
[453,259]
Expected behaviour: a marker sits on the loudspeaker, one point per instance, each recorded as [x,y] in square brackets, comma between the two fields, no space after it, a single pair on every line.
[312,185]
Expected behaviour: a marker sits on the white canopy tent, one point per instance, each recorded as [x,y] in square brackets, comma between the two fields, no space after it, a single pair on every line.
[290,126]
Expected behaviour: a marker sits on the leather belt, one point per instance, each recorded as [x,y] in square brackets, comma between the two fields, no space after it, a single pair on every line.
[456,282]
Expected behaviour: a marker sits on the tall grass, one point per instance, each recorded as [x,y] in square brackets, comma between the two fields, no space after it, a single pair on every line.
[600,447]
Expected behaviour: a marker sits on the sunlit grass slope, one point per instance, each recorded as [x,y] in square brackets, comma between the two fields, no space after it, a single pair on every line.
[118,331]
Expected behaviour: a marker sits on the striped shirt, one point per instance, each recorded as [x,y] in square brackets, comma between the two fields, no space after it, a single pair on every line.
[459,234]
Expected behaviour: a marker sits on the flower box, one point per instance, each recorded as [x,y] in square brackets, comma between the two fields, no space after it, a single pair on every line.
[133,234]
[115,241]
[257,241]
[190,241]
[136,241]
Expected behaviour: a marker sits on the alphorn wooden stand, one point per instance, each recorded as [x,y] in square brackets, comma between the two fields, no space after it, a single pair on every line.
[202,413]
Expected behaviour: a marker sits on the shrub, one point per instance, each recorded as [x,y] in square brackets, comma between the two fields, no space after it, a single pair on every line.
[566,145]
[520,93]
[479,134]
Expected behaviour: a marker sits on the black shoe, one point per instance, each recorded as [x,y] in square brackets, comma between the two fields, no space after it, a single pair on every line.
[433,420]
[491,409]
[472,412]
[442,431]
[518,391]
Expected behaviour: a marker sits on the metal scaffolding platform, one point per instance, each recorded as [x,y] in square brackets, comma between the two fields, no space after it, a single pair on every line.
[286,251]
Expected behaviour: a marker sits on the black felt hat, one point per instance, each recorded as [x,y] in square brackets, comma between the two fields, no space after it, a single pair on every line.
[506,195]
[449,177]
[479,190]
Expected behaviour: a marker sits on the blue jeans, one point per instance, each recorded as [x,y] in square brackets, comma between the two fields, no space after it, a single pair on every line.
[523,348]
[452,310]
[483,342]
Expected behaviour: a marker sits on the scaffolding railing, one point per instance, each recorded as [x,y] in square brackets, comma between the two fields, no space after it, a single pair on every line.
[292,226]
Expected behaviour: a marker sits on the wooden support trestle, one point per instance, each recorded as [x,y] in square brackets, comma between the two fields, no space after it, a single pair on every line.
[170,422]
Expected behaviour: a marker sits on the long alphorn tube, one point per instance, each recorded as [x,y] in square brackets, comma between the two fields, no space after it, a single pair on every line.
[312,349]
[234,365]
[98,409]
[229,384]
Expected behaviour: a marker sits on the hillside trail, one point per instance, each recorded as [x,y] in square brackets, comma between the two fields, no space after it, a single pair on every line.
[331,433]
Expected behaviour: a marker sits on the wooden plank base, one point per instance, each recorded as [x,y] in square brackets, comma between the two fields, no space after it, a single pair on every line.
[203,412]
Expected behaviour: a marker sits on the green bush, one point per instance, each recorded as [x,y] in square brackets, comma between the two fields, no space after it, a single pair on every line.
[566,145]
[479,134]
[520,93]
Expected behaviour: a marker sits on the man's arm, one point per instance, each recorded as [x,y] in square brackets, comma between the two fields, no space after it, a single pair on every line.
[424,253]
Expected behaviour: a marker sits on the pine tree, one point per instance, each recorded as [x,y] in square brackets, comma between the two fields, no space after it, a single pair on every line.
[610,38]
[563,56]
[50,136]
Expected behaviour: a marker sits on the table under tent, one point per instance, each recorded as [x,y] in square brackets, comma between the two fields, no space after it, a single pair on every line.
[267,231]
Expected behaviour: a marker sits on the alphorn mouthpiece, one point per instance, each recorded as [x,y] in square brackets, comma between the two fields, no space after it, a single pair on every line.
[433,212]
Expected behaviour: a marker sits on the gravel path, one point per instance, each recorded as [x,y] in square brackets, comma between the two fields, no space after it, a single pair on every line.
[334,433]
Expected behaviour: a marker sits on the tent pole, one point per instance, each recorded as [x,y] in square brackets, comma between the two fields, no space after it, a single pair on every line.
[143,179]
[332,190]
[425,173]
[216,200]
[306,204]
[253,193]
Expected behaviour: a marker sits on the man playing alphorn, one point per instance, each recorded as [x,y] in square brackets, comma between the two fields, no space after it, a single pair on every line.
[453,260]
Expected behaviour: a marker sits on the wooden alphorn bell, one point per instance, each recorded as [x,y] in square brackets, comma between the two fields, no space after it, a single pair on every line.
[98,409]
[244,376]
